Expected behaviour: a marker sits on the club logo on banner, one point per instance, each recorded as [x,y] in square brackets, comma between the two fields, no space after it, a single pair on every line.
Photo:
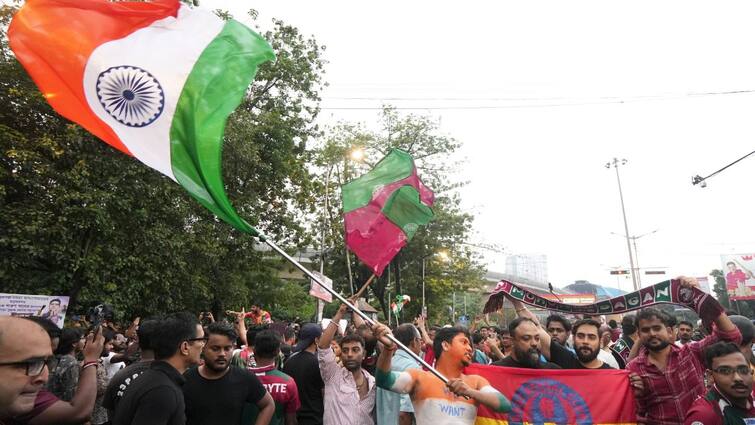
[547,396]
[543,400]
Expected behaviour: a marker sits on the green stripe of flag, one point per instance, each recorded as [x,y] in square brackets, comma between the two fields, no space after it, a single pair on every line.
[214,89]
[405,210]
[396,166]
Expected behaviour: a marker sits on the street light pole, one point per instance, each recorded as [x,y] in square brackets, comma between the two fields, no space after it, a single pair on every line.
[321,303]
[615,163]
[424,307]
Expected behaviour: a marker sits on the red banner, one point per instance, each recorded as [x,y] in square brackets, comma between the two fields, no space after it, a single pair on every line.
[542,396]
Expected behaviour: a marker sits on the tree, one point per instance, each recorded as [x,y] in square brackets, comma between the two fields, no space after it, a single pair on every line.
[450,229]
[79,218]
[719,288]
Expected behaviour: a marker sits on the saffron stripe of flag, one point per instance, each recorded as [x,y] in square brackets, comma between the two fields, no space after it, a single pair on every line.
[156,80]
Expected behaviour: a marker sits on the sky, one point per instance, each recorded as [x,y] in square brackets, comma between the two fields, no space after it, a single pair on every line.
[542,94]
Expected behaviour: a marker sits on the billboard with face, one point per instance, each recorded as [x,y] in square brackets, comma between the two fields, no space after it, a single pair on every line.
[738,271]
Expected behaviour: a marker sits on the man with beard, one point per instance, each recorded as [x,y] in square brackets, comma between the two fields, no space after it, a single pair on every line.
[215,393]
[685,333]
[729,400]
[586,334]
[673,376]
[525,353]
[349,396]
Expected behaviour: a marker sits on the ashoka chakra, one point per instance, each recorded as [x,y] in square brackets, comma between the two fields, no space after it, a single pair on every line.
[131,95]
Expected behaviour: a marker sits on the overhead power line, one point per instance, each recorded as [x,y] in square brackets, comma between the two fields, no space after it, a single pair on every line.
[701,180]
[602,100]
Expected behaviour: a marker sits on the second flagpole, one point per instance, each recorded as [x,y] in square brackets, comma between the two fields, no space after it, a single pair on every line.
[361,314]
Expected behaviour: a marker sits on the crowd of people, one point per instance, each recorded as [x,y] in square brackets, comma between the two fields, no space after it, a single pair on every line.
[246,369]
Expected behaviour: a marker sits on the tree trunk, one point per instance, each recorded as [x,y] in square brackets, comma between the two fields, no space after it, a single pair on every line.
[76,281]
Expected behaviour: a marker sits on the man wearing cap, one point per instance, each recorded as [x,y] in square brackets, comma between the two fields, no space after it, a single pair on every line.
[304,368]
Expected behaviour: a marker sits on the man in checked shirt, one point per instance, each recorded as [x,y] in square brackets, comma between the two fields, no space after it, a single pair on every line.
[673,376]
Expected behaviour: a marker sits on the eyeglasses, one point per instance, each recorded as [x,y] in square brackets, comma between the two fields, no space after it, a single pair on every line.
[728,371]
[203,339]
[33,366]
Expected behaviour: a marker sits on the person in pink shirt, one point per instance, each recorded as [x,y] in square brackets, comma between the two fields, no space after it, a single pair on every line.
[349,396]
[736,278]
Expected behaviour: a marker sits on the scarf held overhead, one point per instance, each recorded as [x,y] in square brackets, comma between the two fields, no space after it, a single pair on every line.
[666,292]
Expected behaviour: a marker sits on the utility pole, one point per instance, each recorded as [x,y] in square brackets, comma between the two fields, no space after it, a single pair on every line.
[615,163]
[636,255]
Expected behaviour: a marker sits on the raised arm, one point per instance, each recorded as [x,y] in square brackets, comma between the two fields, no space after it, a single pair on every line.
[330,331]
[398,382]
[423,331]
[725,328]
[545,337]
[241,325]
[492,343]
[79,409]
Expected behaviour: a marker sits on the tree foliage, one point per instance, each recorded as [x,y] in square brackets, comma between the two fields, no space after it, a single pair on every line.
[719,288]
[447,233]
[79,218]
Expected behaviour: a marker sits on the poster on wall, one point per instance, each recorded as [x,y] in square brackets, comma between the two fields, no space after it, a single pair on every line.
[49,307]
[738,272]
[317,291]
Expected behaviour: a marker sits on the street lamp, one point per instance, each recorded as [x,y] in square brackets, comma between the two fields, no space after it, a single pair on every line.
[615,163]
[357,154]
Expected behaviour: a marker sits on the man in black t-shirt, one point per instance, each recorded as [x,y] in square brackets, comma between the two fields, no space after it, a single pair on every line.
[525,353]
[304,368]
[155,397]
[586,342]
[120,382]
[586,345]
[216,393]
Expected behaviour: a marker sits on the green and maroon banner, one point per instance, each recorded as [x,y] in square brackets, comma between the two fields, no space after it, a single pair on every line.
[384,208]
[666,292]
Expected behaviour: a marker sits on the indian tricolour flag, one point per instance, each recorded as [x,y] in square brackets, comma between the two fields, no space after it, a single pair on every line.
[156,80]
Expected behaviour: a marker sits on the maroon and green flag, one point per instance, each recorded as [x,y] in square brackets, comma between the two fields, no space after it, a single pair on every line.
[384,208]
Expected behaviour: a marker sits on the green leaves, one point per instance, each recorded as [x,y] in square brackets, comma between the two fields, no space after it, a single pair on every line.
[79,218]
[448,231]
